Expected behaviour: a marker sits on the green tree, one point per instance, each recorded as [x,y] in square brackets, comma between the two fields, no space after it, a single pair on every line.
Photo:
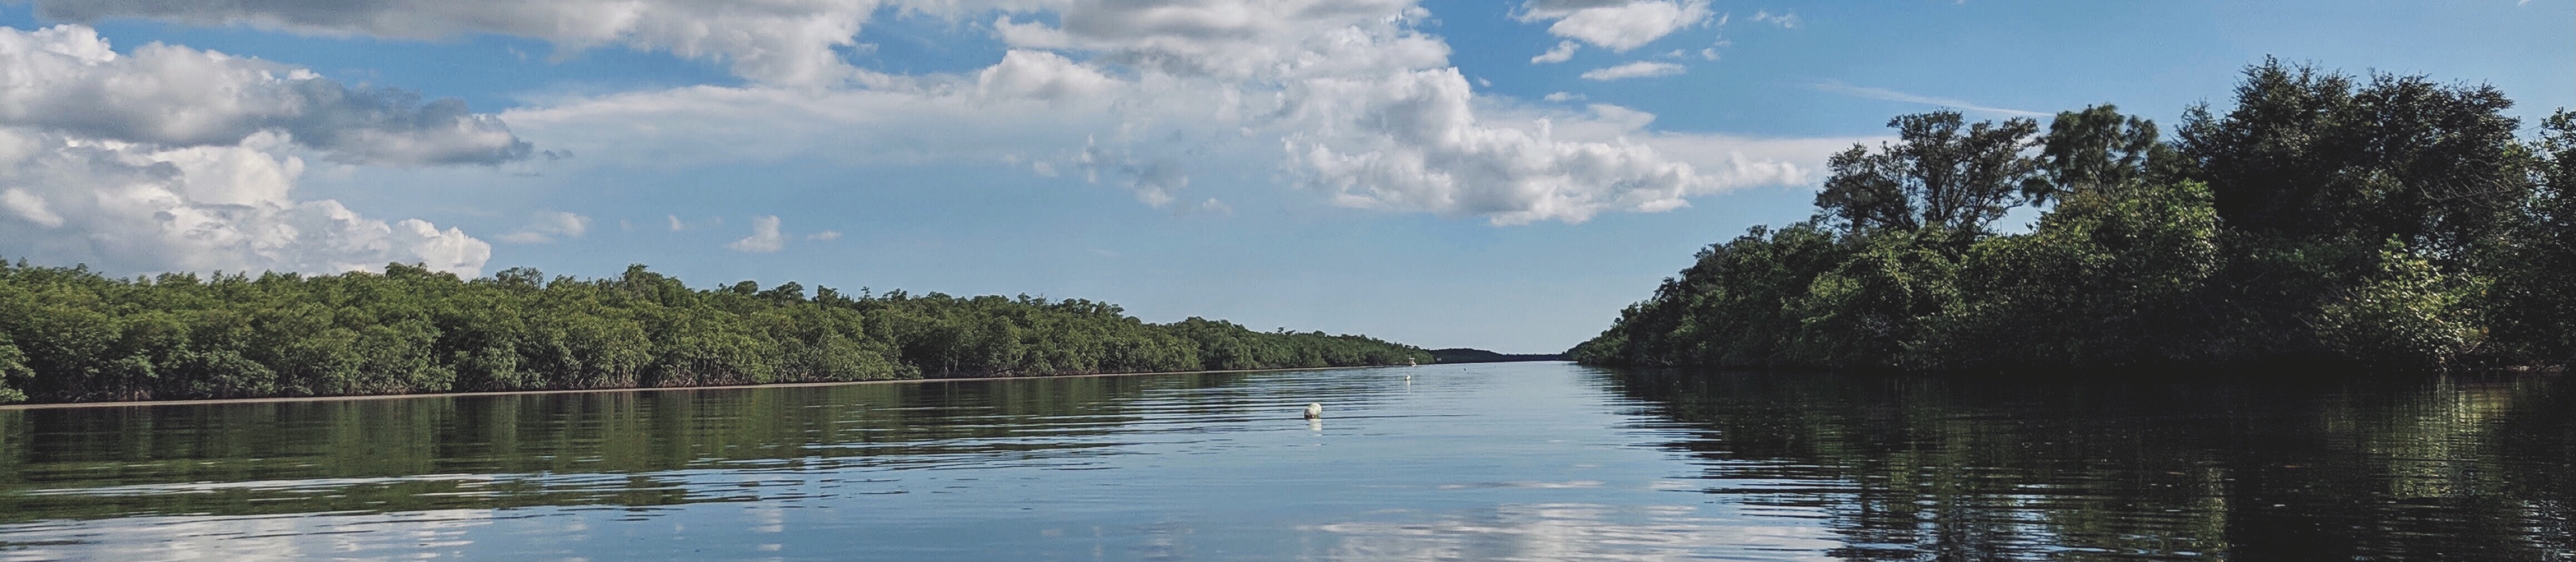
[1940,172]
[2323,219]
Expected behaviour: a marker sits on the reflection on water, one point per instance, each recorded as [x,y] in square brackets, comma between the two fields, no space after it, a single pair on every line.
[1541,461]
[1922,468]
[1573,531]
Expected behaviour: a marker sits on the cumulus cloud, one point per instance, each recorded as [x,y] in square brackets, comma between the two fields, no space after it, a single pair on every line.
[765,237]
[1639,69]
[1042,75]
[774,41]
[67,78]
[1618,25]
[127,207]
[1432,153]
[1347,97]
[169,158]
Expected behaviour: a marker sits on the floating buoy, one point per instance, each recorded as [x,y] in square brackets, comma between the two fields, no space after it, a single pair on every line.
[1314,411]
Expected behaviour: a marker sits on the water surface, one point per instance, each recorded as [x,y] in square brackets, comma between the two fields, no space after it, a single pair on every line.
[1534,461]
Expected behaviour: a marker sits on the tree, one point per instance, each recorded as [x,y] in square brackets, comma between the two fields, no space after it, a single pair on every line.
[2094,150]
[1940,173]
[69,334]
[2320,155]
[2534,303]
[2381,222]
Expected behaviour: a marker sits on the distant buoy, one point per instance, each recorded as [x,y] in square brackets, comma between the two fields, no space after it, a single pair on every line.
[1314,411]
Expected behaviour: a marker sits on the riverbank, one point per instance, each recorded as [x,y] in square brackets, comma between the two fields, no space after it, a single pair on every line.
[73,335]
[138,403]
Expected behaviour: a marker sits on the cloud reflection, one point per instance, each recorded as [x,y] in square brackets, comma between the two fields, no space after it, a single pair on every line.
[1574,531]
[378,536]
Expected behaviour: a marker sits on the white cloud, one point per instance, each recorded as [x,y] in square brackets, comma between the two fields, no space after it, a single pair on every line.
[67,78]
[1639,69]
[1618,25]
[1786,20]
[1896,96]
[1042,75]
[1563,97]
[1346,96]
[787,42]
[1155,183]
[824,235]
[1238,39]
[1434,154]
[765,237]
[549,226]
[169,158]
[1564,51]
[947,119]
[29,206]
[132,208]
[1214,206]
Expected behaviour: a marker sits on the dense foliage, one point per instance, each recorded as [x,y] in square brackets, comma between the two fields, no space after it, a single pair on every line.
[2386,222]
[69,334]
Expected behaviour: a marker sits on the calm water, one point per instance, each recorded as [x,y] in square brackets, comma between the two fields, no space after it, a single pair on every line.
[1538,461]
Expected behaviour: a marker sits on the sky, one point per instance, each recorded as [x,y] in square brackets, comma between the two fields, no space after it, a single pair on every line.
[1502,175]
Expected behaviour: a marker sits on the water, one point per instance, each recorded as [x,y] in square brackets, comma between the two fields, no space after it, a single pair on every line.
[1531,461]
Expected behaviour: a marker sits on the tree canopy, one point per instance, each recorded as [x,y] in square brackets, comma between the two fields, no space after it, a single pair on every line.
[71,334]
[2324,219]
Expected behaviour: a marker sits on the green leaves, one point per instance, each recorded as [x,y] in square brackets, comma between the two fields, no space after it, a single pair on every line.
[2094,150]
[1940,173]
[13,372]
[2384,222]
[68,334]
[2409,315]
[2307,153]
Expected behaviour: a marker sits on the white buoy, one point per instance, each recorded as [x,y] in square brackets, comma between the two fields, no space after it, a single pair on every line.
[1314,411]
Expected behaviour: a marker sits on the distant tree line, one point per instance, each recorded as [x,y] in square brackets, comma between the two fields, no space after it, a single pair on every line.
[2384,222]
[71,335]
[1471,355]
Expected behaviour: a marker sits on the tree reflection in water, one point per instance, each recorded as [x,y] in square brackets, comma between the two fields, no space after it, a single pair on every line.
[631,449]
[1906,468]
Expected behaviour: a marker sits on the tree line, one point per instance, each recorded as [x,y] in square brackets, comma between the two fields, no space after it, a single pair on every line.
[74,335]
[2380,221]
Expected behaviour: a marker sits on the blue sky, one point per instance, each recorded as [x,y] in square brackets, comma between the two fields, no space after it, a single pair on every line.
[1412,170]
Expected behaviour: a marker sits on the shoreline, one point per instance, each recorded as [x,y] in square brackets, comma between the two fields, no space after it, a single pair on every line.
[149,403]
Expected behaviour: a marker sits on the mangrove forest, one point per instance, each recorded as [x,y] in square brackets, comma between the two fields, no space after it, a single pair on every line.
[2319,219]
[69,334]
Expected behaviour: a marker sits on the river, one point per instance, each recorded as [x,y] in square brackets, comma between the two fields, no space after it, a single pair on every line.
[1515,461]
